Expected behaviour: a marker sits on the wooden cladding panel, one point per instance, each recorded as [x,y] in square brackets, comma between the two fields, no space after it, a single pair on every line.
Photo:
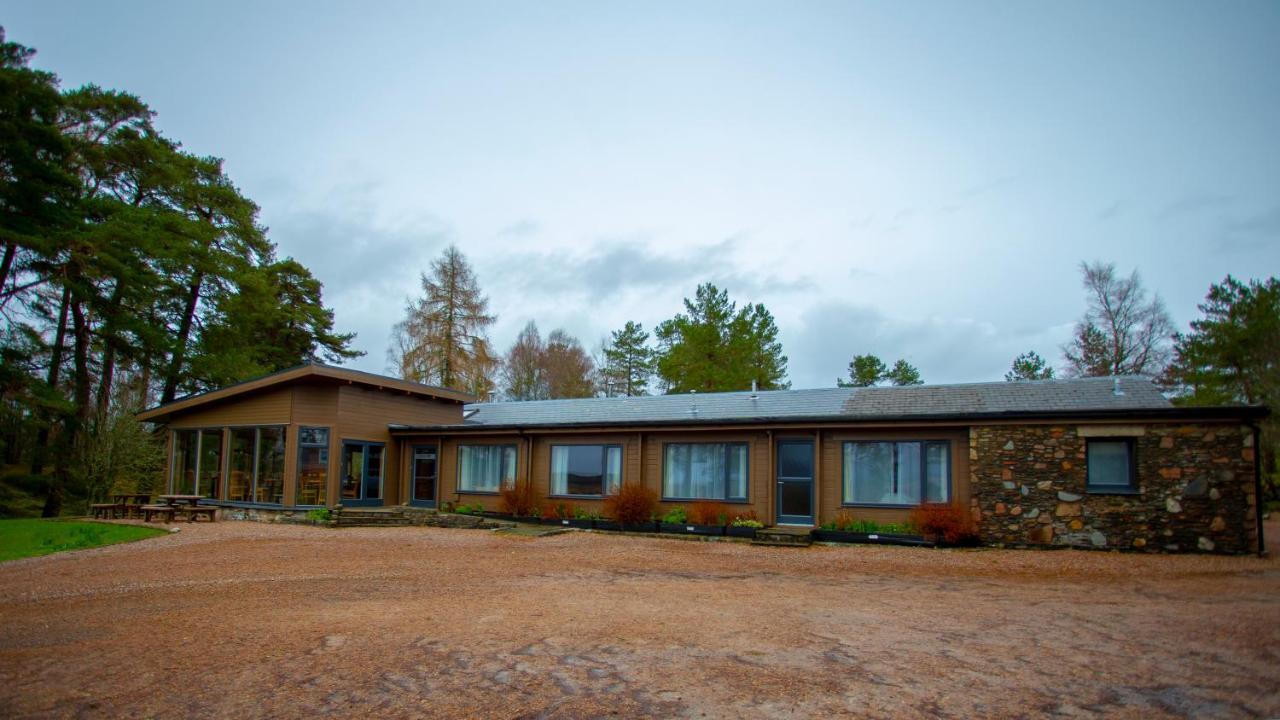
[269,408]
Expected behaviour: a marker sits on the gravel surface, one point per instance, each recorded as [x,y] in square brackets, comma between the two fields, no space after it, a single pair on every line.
[240,619]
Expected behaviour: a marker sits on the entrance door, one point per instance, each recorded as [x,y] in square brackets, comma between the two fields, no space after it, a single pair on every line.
[361,473]
[424,475]
[795,482]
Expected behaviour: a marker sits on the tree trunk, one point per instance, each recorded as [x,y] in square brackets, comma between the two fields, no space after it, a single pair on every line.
[184,332]
[55,367]
[10,251]
[109,354]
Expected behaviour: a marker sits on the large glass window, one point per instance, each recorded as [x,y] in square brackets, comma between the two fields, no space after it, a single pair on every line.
[210,472]
[896,473]
[240,464]
[705,471]
[361,471]
[270,475]
[313,465]
[1110,466]
[197,462]
[592,470]
[486,468]
[184,461]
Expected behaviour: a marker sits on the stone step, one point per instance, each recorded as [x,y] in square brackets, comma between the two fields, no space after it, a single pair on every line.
[784,537]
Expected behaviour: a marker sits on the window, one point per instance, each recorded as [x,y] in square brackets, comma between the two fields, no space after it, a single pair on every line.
[197,462]
[255,467]
[1110,466]
[361,471]
[705,471]
[269,478]
[896,473]
[313,465]
[592,470]
[486,468]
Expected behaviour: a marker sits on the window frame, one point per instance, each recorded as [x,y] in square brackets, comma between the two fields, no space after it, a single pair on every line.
[1131,449]
[457,481]
[364,470]
[724,481]
[229,440]
[924,472]
[327,446]
[604,467]
[199,446]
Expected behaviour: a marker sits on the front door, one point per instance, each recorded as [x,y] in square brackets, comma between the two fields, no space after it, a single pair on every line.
[795,482]
[424,475]
[361,473]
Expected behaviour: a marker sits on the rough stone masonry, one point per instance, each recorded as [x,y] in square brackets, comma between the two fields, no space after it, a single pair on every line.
[1195,488]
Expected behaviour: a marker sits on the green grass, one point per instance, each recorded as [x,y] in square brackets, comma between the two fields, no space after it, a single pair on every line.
[28,538]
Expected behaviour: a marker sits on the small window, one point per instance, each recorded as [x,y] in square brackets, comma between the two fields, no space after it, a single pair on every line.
[486,468]
[1111,467]
[588,470]
[705,471]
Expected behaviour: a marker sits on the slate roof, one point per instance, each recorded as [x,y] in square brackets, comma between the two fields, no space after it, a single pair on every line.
[1043,397]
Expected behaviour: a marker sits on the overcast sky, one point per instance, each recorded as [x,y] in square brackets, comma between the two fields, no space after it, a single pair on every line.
[911,180]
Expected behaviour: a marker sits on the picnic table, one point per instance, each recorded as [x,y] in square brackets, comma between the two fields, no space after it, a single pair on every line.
[189,505]
[132,498]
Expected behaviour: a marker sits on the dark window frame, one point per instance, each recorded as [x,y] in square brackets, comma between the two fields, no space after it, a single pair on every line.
[297,470]
[364,470]
[437,448]
[1131,488]
[515,469]
[604,467]
[924,472]
[724,481]
[229,438]
[199,432]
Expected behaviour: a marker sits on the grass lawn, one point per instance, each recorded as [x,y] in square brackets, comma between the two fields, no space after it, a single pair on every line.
[28,538]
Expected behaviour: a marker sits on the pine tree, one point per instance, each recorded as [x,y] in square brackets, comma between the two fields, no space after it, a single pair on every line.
[1029,366]
[628,362]
[717,347]
[443,339]
[903,373]
[869,370]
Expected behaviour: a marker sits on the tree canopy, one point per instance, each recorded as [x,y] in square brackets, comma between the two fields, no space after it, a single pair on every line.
[1122,331]
[1029,366]
[716,346]
[869,370]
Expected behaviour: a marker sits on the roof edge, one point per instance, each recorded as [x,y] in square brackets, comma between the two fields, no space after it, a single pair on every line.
[1211,412]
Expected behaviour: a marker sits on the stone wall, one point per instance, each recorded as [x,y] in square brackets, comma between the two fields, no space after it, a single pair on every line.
[1195,488]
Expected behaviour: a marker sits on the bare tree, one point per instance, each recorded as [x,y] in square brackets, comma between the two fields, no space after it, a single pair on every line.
[443,339]
[522,371]
[1122,332]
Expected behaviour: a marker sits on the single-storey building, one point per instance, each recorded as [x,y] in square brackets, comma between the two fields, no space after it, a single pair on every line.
[1095,462]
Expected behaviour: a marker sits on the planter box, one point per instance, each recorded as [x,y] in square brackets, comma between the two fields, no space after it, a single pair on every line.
[499,515]
[871,538]
[742,532]
[570,522]
[645,527]
[534,519]
[691,529]
[606,525]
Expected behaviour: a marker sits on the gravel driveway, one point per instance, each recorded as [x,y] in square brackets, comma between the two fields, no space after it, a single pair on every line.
[241,619]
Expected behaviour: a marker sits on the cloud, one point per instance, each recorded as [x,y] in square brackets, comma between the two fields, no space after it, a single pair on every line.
[1112,211]
[946,349]
[1194,203]
[1252,232]
[522,228]
[616,266]
[983,188]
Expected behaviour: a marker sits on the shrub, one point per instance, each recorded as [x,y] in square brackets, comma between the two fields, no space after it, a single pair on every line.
[951,523]
[705,512]
[633,504]
[560,511]
[580,513]
[675,516]
[319,515]
[747,519]
[516,499]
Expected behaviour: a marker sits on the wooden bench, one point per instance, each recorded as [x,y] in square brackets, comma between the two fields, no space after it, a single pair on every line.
[164,512]
[106,510]
[194,511]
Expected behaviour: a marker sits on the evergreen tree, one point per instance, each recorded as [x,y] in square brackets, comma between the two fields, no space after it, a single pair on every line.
[628,361]
[714,346]
[864,371]
[1029,366]
[903,373]
[443,339]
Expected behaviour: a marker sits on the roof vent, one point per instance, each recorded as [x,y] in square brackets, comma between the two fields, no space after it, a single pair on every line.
[693,403]
[753,390]
[1115,386]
